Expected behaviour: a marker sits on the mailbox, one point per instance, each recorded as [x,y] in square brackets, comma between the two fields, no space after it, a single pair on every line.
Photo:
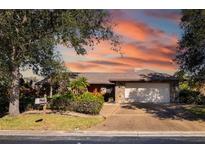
[40,101]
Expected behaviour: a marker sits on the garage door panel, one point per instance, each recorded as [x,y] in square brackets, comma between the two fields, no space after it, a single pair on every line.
[147,92]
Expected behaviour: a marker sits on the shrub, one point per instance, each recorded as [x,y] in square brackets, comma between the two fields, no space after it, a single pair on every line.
[61,102]
[190,96]
[88,103]
[26,102]
[27,99]
[4,100]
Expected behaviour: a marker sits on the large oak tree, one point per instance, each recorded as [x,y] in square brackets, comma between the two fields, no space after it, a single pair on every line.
[28,39]
[191,49]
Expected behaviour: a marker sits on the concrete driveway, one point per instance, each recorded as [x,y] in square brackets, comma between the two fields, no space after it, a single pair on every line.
[149,117]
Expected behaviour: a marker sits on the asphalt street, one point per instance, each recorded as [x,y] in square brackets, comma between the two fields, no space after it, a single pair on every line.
[99,140]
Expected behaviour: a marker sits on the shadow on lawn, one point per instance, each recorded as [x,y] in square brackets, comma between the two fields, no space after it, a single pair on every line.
[167,111]
[2,115]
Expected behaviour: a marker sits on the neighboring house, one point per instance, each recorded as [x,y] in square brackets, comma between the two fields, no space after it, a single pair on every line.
[143,86]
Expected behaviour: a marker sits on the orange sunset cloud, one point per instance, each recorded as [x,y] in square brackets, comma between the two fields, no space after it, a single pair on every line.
[145,47]
[136,30]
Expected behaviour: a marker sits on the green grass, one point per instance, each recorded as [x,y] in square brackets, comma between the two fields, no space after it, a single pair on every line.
[49,122]
[198,110]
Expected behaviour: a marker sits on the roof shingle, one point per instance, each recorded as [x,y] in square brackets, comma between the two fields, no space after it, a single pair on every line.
[109,78]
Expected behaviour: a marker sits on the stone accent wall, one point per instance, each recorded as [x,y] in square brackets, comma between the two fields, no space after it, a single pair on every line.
[174,91]
[119,92]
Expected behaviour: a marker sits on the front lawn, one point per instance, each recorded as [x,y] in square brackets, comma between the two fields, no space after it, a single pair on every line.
[48,122]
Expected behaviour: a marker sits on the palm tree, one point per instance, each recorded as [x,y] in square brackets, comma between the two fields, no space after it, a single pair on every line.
[79,85]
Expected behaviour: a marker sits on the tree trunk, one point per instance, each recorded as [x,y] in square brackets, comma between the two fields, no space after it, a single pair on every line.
[14,92]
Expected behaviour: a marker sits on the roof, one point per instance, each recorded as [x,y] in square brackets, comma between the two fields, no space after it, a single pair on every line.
[98,78]
[70,75]
[111,78]
[142,75]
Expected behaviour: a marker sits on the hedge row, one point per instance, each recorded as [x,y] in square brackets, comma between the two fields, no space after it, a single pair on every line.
[88,103]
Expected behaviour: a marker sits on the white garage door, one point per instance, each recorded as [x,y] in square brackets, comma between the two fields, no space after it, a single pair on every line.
[147,92]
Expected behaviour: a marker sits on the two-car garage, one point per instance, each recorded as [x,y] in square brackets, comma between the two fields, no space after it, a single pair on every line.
[147,92]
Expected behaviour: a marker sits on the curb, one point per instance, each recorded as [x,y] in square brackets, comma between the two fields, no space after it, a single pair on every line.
[104,133]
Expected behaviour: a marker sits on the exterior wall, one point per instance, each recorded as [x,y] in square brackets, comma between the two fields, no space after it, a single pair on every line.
[119,92]
[95,88]
[108,94]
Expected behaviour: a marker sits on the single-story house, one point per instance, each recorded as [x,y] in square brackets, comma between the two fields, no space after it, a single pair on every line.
[143,86]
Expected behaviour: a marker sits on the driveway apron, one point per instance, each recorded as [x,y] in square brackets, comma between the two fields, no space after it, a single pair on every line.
[145,118]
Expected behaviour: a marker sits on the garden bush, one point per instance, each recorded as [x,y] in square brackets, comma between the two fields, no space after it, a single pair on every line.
[27,99]
[61,102]
[190,97]
[26,102]
[88,103]
[4,101]
[27,96]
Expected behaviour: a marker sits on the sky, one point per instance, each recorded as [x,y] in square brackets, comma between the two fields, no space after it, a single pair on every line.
[148,41]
